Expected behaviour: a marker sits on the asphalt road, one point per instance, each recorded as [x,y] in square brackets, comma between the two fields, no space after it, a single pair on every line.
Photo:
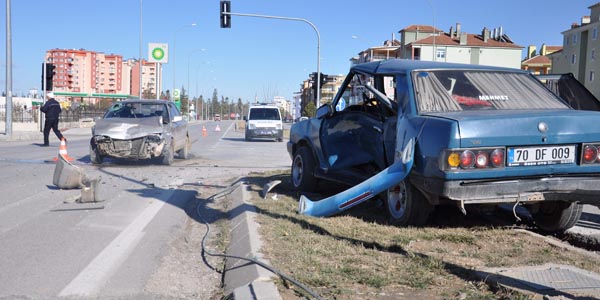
[141,241]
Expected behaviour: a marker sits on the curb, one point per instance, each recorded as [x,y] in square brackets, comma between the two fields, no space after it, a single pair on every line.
[242,279]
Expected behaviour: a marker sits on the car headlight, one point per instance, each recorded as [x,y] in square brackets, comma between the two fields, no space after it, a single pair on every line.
[251,126]
[279,126]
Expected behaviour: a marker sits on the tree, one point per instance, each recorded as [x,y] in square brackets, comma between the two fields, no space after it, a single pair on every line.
[309,110]
[148,94]
[184,101]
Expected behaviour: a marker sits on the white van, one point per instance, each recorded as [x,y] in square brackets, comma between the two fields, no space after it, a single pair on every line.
[264,121]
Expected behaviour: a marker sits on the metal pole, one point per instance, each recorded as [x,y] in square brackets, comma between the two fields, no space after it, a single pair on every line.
[158,71]
[8,110]
[174,65]
[434,31]
[318,98]
[141,49]
[188,77]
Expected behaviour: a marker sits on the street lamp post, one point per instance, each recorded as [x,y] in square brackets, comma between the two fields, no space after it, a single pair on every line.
[188,76]
[174,44]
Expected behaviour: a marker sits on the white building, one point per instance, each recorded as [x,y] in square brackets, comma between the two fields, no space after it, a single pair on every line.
[491,48]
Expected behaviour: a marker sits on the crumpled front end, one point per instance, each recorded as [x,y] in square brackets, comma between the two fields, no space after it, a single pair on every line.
[129,138]
[138,148]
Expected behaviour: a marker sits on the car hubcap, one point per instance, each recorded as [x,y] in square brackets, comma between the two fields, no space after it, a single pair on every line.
[397,200]
[297,171]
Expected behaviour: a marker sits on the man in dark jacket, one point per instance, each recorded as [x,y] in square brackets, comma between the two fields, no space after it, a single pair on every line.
[52,111]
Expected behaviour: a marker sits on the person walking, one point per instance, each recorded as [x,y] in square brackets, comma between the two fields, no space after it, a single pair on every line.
[52,111]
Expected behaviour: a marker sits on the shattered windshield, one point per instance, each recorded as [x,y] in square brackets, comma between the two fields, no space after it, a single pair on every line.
[460,90]
[136,110]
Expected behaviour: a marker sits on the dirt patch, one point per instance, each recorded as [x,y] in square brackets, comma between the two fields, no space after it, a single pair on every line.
[184,272]
[358,255]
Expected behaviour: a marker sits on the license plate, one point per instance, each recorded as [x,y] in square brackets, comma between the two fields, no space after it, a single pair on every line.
[537,156]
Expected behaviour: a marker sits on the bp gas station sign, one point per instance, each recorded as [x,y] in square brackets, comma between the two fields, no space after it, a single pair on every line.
[158,53]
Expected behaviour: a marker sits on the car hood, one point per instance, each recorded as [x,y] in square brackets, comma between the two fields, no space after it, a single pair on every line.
[128,128]
[478,129]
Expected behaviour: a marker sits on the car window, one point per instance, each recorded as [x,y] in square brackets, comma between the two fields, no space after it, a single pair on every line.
[261,113]
[173,109]
[459,90]
[135,110]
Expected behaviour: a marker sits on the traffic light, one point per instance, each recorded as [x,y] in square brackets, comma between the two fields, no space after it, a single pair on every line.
[225,16]
[49,75]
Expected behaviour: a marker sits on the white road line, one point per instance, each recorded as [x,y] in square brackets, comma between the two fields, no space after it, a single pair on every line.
[97,273]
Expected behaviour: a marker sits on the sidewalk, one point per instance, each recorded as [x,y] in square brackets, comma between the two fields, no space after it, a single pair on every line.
[31,133]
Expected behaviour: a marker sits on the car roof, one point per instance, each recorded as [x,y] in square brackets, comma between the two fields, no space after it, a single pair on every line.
[402,66]
[264,106]
[154,101]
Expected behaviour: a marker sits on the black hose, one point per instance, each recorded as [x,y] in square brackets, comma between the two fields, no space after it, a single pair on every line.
[269,268]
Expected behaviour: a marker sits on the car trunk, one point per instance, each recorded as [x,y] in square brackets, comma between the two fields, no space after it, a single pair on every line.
[506,128]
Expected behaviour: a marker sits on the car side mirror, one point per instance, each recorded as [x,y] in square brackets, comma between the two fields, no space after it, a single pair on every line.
[324,111]
[245,118]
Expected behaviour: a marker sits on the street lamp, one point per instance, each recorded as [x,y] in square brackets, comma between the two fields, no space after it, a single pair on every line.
[188,77]
[174,44]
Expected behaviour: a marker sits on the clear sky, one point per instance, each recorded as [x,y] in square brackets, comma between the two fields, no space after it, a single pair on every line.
[256,57]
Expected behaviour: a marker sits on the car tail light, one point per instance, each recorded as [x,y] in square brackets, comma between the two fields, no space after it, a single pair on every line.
[484,158]
[497,158]
[467,159]
[590,154]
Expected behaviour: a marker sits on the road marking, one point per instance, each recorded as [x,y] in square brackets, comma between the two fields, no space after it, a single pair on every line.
[223,135]
[97,273]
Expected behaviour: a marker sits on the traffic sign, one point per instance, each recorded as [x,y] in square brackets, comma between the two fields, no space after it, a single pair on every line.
[158,53]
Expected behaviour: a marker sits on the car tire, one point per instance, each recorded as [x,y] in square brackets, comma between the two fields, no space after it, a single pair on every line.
[303,167]
[184,152]
[557,216]
[95,157]
[168,154]
[406,205]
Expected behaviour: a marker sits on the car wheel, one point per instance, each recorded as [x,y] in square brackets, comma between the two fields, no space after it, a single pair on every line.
[95,157]
[185,151]
[557,216]
[407,205]
[168,154]
[303,168]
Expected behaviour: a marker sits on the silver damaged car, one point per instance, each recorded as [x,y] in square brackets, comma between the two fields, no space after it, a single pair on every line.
[140,129]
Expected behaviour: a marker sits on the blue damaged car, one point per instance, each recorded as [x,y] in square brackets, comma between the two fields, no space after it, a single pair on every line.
[421,134]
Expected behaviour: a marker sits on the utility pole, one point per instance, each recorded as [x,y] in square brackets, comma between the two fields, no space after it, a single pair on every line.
[9,105]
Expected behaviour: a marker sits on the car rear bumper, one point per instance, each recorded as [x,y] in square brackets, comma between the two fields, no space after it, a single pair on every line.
[583,189]
[264,133]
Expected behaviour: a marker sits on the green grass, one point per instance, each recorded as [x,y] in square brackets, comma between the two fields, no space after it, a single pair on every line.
[359,253]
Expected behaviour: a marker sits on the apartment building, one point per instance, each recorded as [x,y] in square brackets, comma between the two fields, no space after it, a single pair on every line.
[150,82]
[580,52]
[539,63]
[83,71]
[92,75]
[490,47]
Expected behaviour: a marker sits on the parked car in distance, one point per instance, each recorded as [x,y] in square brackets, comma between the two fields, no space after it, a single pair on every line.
[217,117]
[264,121]
[483,136]
[140,129]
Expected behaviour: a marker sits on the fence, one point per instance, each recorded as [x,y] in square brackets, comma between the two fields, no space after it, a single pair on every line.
[22,115]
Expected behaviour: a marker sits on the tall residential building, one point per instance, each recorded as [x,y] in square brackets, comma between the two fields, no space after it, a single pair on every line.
[491,48]
[91,75]
[83,71]
[149,81]
[580,53]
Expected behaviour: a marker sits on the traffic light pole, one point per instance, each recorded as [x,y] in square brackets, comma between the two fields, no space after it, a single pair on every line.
[318,98]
